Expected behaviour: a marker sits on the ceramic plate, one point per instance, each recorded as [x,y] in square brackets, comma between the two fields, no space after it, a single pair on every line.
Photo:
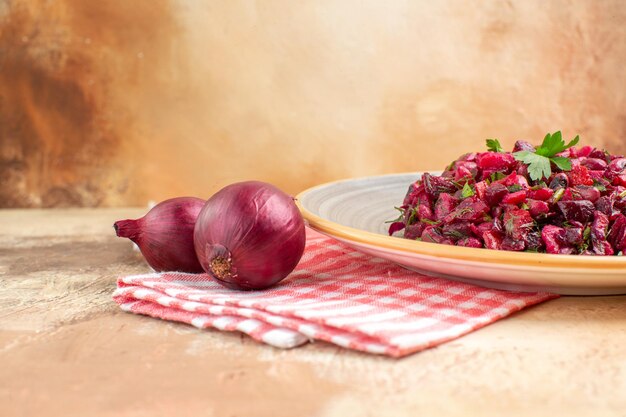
[354,211]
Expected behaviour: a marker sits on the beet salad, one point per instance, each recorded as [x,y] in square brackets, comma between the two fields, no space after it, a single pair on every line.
[553,198]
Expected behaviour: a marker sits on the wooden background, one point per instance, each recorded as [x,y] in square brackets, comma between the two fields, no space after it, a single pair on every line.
[118,102]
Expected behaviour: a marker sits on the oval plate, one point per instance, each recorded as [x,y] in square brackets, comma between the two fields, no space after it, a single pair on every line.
[355,211]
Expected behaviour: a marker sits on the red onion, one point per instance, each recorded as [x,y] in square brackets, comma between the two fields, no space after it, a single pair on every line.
[165,234]
[249,235]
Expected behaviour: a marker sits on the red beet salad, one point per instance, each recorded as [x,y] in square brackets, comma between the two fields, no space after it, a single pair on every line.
[554,198]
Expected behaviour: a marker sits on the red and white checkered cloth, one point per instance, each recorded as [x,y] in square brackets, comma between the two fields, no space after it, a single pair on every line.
[337,295]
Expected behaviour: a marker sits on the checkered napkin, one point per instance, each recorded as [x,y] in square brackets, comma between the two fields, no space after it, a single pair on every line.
[337,295]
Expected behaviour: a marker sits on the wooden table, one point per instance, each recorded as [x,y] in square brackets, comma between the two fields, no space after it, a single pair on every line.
[66,349]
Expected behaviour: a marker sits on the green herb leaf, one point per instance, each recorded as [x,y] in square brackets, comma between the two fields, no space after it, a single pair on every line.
[467,191]
[553,144]
[539,161]
[493,145]
[562,162]
[428,221]
[538,165]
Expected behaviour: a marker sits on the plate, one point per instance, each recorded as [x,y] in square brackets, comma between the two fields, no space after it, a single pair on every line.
[354,211]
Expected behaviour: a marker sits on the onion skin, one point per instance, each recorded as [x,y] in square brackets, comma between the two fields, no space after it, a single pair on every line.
[165,234]
[249,236]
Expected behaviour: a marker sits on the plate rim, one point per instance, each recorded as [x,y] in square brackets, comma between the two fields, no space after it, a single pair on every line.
[481,255]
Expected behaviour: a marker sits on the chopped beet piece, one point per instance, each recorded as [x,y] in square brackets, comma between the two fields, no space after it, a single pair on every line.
[513,179]
[522,181]
[414,231]
[423,204]
[513,244]
[522,170]
[583,151]
[599,229]
[579,175]
[497,211]
[481,189]
[594,164]
[395,227]
[617,234]
[522,145]
[493,239]
[617,165]
[517,223]
[463,174]
[620,203]
[586,192]
[598,176]
[495,193]
[433,235]
[515,198]
[471,209]
[466,165]
[580,211]
[620,180]
[465,169]
[605,204]
[481,228]
[489,174]
[495,160]
[534,242]
[567,195]
[457,230]
[498,224]
[435,185]
[470,242]
[410,199]
[537,208]
[542,194]
[596,153]
[573,236]
[471,156]
[552,237]
[444,205]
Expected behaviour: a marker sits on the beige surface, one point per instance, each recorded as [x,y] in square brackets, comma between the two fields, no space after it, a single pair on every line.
[116,102]
[66,349]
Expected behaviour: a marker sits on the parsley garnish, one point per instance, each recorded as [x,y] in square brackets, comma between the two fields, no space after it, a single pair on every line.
[493,145]
[539,161]
[467,191]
